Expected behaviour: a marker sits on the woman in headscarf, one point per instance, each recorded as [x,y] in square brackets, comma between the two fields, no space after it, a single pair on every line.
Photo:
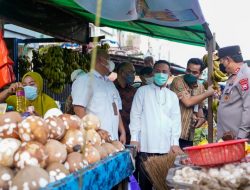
[33,86]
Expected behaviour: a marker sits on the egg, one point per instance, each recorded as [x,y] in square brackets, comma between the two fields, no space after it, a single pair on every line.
[111,149]
[91,154]
[31,153]
[71,121]
[56,151]
[33,128]
[90,121]
[92,137]
[56,171]
[118,145]
[74,140]
[8,148]
[56,127]
[6,175]
[30,177]
[75,162]
[9,125]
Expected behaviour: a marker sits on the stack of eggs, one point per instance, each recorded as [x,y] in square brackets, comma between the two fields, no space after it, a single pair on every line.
[36,151]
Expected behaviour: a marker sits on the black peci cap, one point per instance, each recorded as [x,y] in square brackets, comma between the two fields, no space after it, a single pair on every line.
[230,51]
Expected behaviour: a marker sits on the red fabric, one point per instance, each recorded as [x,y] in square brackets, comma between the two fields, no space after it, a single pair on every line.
[6,64]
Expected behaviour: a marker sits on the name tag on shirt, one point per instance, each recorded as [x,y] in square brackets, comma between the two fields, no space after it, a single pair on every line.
[196,108]
[115,108]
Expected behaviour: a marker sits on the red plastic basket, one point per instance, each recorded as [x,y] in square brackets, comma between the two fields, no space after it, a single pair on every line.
[217,153]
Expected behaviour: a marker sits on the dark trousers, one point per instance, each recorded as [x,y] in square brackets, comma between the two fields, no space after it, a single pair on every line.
[185,143]
[140,173]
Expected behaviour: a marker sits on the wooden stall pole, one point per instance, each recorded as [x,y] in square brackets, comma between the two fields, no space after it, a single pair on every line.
[1,24]
[211,49]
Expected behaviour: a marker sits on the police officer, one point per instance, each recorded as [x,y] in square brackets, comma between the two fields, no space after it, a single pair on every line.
[234,109]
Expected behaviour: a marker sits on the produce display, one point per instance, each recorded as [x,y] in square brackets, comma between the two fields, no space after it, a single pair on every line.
[56,64]
[217,76]
[228,177]
[35,151]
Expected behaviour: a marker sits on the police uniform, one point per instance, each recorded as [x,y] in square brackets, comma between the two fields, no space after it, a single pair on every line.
[234,108]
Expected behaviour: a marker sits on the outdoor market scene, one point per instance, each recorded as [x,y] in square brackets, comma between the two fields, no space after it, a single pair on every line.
[123,95]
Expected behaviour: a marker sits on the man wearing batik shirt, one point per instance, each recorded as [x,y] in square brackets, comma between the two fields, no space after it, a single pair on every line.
[191,95]
[125,79]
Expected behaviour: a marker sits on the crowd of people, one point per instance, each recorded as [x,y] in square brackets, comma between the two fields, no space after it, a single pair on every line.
[156,117]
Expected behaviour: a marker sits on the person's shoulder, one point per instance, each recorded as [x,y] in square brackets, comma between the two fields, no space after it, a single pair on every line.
[178,79]
[143,89]
[171,92]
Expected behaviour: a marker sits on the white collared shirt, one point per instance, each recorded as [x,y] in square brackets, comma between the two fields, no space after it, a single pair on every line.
[97,94]
[155,119]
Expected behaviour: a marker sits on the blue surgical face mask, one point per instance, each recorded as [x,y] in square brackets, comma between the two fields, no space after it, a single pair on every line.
[200,81]
[160,78]
[130,79]
[30,92]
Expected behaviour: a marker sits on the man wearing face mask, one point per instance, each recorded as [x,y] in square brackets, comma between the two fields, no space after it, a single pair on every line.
[123,83]
[146,76]
[95,93]
[155,120]
[234,109]
[191,95]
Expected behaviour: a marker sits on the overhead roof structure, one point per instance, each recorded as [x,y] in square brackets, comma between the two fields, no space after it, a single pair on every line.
[67,20]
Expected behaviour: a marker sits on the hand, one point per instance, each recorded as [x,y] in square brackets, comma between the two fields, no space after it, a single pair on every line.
[123,138]
[200,122]
[176,150]
[136,144]
[210,90]
[229,135]
[13,87]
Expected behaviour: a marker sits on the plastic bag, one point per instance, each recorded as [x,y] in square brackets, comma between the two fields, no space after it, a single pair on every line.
[6,64]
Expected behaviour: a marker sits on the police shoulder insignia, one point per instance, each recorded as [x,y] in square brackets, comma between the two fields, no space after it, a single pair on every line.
[244,84]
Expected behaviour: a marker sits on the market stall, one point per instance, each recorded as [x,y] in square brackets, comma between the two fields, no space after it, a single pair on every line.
[223,165]
[102,175]
[60,152]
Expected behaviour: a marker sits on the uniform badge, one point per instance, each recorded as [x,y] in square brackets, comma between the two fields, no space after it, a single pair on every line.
[244,84]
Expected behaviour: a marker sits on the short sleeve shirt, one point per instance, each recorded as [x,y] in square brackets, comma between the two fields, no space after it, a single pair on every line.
[100,97]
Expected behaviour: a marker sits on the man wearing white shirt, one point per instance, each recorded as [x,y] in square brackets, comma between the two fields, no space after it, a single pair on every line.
[155,119]
[95,93]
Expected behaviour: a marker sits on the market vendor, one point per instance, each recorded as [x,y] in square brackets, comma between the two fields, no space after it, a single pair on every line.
[155,120]
[191,95]
[234,109]
[95,93]
[33,86]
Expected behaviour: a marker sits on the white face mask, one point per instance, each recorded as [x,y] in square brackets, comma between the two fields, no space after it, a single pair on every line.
[111,66]
[149,80]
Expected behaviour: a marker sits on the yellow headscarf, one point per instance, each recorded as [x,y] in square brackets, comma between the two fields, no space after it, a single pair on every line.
[42,103]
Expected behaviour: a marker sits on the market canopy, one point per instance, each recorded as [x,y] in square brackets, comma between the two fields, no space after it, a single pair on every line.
[184,25]
[67,19]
